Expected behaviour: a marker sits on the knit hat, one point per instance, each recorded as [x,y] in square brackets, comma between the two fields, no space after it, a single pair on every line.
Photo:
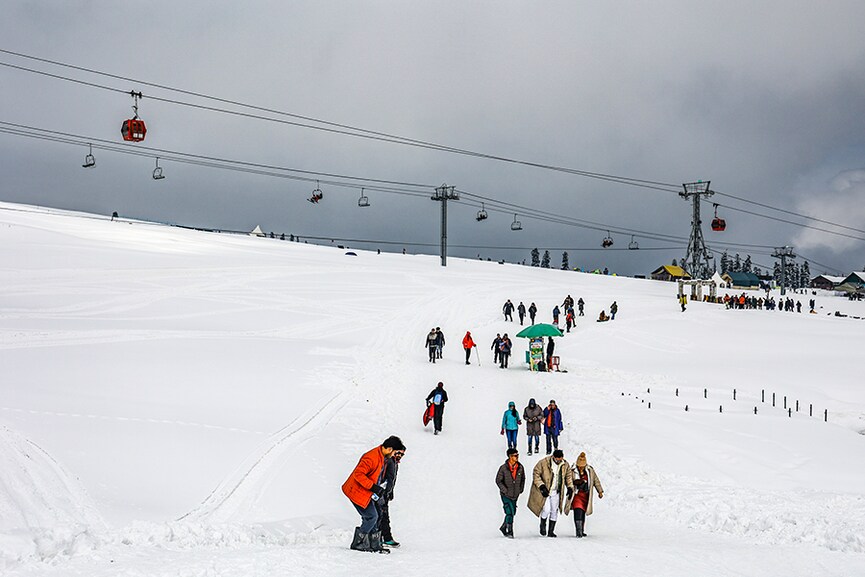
[552,402]
[581,460]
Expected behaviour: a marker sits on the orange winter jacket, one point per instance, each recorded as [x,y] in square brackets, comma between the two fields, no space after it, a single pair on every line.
[467,341]
[358,486]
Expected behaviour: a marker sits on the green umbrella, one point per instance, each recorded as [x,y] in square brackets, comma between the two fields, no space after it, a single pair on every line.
[540,330]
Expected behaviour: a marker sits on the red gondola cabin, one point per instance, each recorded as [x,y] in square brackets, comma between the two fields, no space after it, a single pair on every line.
[133,130]
[718,224]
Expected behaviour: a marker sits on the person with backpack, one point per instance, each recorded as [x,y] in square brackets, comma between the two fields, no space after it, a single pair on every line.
[614,308]
[556,315]
[552,425]
[440,342]
[437,397]
[431,345]
[366,485]
[533,310]
[468,345]
[580,304]
[521,311]
[569,319]
[511,425]
[504,351]
[533,414]
[511,481]
[585,480]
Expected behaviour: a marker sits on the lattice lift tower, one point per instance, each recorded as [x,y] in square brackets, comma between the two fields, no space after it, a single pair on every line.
[697,258]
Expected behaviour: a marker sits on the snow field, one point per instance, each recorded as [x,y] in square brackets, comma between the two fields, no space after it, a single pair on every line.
[208,394]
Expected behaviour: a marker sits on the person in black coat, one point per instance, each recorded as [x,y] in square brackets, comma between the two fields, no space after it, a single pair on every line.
[551,347]
[390,474]
[521,310]
[495,348]
[508,309]
[511,481]
[438,397]
[533,310]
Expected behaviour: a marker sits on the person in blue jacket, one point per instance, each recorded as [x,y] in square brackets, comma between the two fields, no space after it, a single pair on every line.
[552,425]
[511,425]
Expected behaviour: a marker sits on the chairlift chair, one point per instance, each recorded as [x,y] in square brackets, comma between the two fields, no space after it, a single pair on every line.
[516,225]
[363,200]
[633,244]
[317,194]
[718,224]
[608,241]
[89,160]
[157,172]
[482,214]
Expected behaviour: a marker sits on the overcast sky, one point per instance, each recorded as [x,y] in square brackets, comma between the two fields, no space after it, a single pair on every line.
[765,99]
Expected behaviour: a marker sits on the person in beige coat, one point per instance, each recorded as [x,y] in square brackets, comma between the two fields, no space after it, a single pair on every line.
[552,490]
[585,479]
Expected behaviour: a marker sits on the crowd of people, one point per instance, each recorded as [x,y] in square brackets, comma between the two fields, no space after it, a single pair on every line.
[556,487]
[768,303]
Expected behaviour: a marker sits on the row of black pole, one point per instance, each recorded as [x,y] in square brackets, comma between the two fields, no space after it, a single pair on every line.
[762,400]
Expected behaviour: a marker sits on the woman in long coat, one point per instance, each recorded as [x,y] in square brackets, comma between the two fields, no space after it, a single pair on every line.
[585,479]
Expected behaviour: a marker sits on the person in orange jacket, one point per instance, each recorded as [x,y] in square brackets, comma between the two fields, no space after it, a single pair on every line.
[468,344]
[364,487]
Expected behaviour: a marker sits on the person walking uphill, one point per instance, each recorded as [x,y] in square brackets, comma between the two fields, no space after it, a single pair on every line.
[585,480]
[533,310]
[533,414]
[438,397]
[468,345]
[363,488]
[511,481]
[552,425]
[432,345]
[614,308]
[440,342]
[511,425]
[552,488]
[521,310]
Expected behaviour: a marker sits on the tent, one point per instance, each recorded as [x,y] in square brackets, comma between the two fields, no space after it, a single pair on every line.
[256,231]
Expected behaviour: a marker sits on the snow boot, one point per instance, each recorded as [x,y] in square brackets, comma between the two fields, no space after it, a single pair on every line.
[543,527]
[510,534]
[551,532]
[358,540]
[579,527]
[583,529]
[530,450]
[504,529]
[375,543]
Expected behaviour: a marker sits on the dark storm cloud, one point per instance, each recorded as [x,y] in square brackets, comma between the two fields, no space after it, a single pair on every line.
[765,99]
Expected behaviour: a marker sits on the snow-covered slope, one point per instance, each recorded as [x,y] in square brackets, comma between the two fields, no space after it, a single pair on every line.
[207,394]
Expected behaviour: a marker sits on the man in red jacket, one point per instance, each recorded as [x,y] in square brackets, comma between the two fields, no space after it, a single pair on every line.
[363,487]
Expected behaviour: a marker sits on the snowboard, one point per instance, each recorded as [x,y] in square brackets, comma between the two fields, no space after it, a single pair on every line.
[428,414]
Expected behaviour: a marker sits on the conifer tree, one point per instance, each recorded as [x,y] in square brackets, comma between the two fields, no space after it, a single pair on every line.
[565,265]
[545,262]
[725,263]
[536,257]
[746,266]
[737,264]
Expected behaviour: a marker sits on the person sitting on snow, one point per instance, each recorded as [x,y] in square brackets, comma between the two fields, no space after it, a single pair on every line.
[602,318]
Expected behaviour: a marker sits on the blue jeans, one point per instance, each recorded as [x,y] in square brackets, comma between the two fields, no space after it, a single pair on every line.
[368,517]
[537,439]
[552,441]
[512,437]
